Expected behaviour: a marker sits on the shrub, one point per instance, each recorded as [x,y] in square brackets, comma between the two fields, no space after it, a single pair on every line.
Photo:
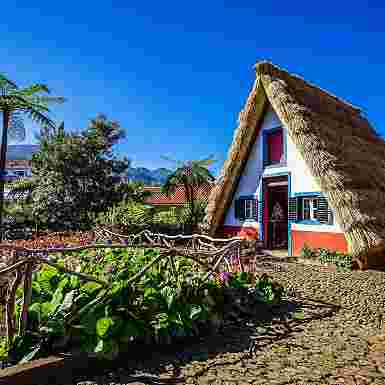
[127,214]
[268,291]
[193,214]
[169,217]
[342,261]
[307,252]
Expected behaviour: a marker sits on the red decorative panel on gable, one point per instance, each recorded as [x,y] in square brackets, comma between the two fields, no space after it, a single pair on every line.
[275,147]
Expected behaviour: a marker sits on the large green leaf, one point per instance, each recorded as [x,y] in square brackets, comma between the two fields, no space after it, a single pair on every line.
[104,326]
[34,312]
[57,298]
[74,282]
[160,321]
[169,294]
[195,311]
[46,309]
[36,289]
[47,273]
[91,288]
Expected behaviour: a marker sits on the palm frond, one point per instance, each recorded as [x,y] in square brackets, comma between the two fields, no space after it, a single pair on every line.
[34,89]
[171,183]
[7,84]
[46,100]
[22,102]
[40,118]
[205,162]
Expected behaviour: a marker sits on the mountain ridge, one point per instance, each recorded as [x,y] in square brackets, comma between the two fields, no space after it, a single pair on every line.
[147,176]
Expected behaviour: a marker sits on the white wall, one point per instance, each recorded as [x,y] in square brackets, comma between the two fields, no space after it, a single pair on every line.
[250,181]
[301,179]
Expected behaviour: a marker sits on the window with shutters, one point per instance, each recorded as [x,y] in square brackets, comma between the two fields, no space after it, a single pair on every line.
[246,208]
[310,210]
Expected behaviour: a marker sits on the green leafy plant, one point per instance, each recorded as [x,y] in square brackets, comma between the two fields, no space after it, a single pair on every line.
[307,252]
[4,349]
[166,303]
[343,262]
[169,217]
[191,175]
[129,215]
[268,291]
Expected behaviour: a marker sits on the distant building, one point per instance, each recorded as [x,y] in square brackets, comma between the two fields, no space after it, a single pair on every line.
[19,161]
[177,198]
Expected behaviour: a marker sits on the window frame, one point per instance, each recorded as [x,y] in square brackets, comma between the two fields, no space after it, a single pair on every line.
[269,160]
[245,208]
[312,209]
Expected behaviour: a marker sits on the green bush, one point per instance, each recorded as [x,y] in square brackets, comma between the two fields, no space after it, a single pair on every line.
[342,261]
[169,217]
[193,214]
[127,214]
[307,252]
[268,291]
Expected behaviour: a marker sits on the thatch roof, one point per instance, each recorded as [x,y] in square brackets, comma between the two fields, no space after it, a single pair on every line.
[341,149]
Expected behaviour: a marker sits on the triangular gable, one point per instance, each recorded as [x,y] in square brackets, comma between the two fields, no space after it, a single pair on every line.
[339,146]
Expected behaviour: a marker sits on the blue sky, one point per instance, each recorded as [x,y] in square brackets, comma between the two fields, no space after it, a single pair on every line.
[175,74]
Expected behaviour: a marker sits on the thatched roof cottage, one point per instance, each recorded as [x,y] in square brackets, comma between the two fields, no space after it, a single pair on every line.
[304,167]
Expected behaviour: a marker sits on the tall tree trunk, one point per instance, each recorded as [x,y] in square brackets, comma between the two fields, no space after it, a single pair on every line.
[3,157]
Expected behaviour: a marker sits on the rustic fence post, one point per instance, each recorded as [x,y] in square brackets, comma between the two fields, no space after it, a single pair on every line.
[23,320]
[10,305]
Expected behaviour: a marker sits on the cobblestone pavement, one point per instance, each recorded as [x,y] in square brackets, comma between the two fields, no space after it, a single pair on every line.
[336,337]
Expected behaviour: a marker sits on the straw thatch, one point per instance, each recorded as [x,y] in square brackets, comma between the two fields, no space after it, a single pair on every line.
[339,146]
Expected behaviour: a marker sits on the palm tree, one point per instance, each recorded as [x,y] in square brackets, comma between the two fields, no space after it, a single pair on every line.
[14,101]
[191,175]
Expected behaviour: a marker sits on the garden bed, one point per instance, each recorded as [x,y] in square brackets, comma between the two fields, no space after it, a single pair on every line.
[103,300]
[331,340]
[326,331]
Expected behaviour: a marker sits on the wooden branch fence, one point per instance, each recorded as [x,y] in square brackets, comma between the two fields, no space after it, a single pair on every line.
[209,253]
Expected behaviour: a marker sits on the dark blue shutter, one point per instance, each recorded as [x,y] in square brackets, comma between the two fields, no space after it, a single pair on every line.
[299,208]
[323,210]
[255,209]
[261,207]
[241,211]
[293,209]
